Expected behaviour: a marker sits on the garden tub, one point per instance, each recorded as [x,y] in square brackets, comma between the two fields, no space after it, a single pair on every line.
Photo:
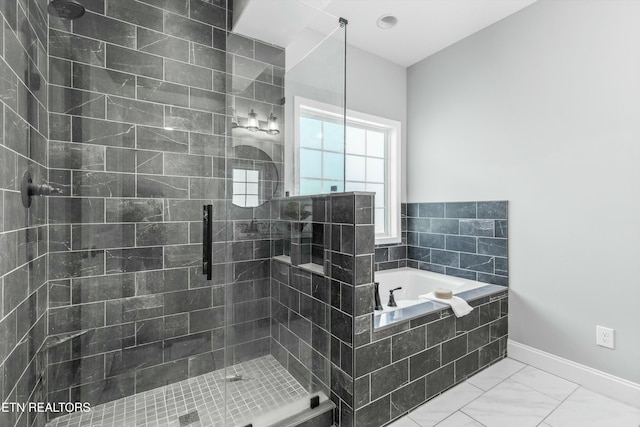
[416,282]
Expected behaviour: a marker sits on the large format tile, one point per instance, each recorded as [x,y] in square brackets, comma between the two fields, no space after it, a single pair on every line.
[495,374]
[404,422]
[585,408]
[442,406]
[510,404]
[459,419]
[544,382]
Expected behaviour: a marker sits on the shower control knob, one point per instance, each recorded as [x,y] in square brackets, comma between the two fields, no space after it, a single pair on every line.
[29,189]
[43,190]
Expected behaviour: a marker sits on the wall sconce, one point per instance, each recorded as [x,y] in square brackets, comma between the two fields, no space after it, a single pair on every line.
[254,126]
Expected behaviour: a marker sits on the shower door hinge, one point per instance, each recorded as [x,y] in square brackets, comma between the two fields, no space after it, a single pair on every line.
[314,402]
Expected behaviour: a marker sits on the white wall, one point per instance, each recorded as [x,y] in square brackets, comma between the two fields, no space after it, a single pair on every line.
[379,87]
[317,75]
[374,86]
[543,109]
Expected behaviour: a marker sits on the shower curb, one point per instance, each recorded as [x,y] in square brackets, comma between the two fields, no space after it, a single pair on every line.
[321,416]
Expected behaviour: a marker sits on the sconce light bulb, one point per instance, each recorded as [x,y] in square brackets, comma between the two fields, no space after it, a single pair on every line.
[234,119]
[252,122]
[272,125]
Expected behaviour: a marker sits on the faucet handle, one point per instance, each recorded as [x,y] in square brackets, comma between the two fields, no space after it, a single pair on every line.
[392,300]
[377,305]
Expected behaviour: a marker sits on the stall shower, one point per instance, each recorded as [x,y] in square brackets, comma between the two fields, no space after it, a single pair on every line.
[120,121]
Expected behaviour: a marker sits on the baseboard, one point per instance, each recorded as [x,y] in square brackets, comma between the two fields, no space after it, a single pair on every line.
[609,385]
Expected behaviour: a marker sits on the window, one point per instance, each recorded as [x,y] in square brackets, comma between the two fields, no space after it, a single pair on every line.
[368,161]
[246,185]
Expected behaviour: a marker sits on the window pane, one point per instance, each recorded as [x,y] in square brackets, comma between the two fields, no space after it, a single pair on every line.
[239,188]
[380,220]
[310,133]
[356,186]
[379,190]
[253,176]
[239,200]
[355,141]
[326,186]
[352,159]
[333,166]
[252,201]
[375,143]
[333,137]
[375,170]
[252,188]
[310,186]
[355,168]
[310,163]
[239,175]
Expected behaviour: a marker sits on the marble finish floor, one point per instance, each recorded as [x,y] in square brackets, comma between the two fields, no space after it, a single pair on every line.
[511,394]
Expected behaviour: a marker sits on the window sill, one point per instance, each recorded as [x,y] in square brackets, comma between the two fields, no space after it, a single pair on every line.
[386,240]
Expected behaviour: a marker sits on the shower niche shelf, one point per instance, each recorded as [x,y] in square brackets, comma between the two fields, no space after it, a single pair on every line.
[300,232]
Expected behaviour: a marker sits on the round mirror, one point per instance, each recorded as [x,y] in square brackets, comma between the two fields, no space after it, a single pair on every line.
[254,175]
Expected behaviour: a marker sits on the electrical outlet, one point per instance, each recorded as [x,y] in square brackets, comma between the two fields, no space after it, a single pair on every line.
[605,337]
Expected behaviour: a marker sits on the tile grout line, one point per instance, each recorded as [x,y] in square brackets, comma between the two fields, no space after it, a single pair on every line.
[560,403]
[524,385]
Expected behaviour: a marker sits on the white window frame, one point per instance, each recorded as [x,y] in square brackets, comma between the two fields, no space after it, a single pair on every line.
[393,180]
[244,183]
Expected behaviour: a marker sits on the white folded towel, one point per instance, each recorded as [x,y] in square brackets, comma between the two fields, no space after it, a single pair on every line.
[458,305]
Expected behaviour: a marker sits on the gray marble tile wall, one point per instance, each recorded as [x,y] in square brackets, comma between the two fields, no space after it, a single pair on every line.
[404,365]
[389,256]
[462,239]
[314,311]
[139,141]
[255,81]
[296,232]
[400,367]
[23,233]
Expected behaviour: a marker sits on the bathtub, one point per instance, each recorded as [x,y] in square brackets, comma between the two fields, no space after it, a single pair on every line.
[416,282]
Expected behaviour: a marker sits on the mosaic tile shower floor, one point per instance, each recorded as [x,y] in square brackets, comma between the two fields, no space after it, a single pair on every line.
[199,401]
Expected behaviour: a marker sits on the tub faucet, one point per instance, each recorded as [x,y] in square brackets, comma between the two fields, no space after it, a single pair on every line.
[392,300]
[377,305]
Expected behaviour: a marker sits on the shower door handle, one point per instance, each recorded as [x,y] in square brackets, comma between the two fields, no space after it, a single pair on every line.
[207,240]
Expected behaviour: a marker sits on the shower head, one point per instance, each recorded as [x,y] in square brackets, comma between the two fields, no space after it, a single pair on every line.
[65,9]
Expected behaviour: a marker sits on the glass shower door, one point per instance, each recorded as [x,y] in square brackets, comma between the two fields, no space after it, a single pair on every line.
[139,114]
[23,232]
[316,110]
[137,145]
[277,340]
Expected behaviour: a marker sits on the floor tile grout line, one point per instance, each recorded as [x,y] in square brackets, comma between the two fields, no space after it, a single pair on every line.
[524,385]
[544,420]
[453,413]
[577,386]
[524,365]
[441,394]
[483,392]
[470,416]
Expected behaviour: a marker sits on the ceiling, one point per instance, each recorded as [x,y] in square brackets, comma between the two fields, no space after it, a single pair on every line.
[424,26]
